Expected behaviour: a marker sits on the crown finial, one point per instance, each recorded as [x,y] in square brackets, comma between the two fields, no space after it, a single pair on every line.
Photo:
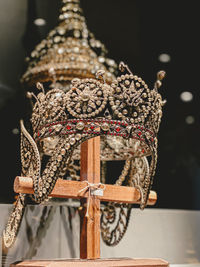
[123,67]
[29,95]
[100,74]
[40,87]
[160,76]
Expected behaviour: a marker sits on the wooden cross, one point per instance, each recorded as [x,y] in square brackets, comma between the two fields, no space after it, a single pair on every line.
[90,226]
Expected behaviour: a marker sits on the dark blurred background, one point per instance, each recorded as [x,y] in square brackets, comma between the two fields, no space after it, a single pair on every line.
[148,36]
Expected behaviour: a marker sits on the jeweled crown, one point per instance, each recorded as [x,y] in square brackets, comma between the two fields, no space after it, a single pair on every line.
[126,108]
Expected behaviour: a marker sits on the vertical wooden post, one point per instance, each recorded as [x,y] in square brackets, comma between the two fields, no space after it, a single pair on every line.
[90,226]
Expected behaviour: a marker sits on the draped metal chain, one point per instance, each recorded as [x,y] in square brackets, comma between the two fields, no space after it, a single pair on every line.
[115,217]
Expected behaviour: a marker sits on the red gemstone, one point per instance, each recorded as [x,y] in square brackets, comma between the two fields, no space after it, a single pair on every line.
[69,127]
[118,129]
[139,133]
[38,133]
[91,127]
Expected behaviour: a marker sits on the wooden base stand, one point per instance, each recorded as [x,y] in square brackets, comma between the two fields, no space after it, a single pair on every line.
[123,262]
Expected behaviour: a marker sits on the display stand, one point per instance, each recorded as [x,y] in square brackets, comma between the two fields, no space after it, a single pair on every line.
[91,192]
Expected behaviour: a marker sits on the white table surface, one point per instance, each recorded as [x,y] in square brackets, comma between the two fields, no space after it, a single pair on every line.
[172,235]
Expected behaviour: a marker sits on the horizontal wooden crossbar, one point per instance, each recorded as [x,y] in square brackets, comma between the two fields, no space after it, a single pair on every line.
[71,189]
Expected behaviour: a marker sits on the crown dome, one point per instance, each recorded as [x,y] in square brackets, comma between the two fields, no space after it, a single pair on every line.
[69,50]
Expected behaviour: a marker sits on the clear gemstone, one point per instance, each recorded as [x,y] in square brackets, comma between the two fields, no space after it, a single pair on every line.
[67,146]
[101,59]
[59,158]
[105,126]
[127,82]
[76,49]
[111,62]
[125,112]
[58,127]
[137,84]
[66,15]
[78,136]
[57,39]
[76,34]
[63,152]
[61,31]
[98,103]
[60,50]
[72,141]
[44,190]
[85,97]
[80,125]
[54,168]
